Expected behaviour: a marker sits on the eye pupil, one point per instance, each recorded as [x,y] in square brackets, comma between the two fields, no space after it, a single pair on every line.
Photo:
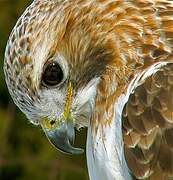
[52,75]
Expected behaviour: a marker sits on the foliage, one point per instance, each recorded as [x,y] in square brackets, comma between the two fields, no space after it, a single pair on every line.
[25,153]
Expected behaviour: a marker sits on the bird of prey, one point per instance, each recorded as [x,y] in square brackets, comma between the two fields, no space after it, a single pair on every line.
[102,64]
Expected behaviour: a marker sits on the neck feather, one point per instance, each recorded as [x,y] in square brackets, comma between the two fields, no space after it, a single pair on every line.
[105,149]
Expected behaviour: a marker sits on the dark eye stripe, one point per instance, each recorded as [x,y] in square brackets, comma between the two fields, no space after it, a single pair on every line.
[52,75]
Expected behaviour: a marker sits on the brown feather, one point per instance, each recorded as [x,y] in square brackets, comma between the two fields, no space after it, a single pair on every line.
[154,149]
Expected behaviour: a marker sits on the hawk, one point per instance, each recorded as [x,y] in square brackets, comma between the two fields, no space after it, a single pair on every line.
[102,64]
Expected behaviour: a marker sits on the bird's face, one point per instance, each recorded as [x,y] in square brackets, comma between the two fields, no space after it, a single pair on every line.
[53,65]
[49,96]
[61,107]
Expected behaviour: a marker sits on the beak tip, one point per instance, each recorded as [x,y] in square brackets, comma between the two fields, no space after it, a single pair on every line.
[74,151]
[66,147]
[61,141]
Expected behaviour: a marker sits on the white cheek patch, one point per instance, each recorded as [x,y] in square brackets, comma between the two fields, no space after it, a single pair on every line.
[84,102]
[87,94]
[52,103]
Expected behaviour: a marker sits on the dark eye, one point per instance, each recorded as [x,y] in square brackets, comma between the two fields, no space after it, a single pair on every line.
[52,75]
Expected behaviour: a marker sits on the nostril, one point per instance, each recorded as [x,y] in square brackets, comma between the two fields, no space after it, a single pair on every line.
[52,122]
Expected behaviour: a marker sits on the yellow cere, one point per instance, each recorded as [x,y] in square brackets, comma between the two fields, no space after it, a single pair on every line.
[48,124]
[67,107]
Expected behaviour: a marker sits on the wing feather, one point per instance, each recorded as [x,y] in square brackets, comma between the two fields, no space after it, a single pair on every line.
[148,127]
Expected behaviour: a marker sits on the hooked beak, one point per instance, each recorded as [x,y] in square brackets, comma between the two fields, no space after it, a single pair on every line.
[62,137]
[62,133]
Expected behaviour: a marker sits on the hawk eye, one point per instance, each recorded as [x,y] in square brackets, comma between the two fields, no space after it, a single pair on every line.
[52,75]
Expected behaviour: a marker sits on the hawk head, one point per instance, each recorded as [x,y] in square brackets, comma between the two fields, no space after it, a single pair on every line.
[54,60]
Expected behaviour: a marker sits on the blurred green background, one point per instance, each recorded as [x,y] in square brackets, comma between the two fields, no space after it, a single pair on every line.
[25,153]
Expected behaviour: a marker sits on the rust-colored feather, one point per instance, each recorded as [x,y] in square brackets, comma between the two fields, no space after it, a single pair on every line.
[144,35]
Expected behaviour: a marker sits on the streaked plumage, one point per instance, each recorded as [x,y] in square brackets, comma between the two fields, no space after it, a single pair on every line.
[116,57]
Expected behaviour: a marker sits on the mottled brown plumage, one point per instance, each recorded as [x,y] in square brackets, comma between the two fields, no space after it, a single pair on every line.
[115,41]
[148,126]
